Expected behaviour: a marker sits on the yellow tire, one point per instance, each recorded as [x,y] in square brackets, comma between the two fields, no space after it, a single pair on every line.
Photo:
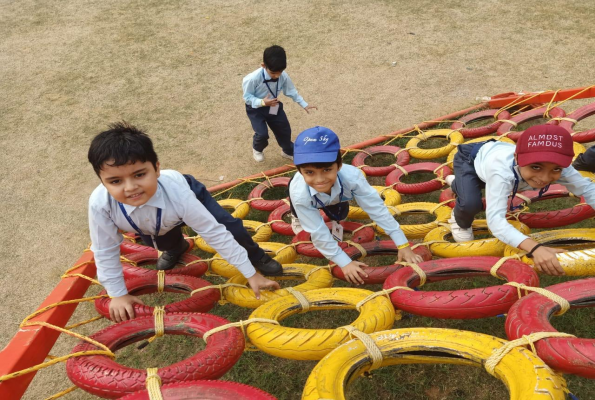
[504,139]
[574,262]
[240,208]
[262,233]
[454,137]
[589,175]
[244,297]
[390,196]
[281,252]
[313,344]
[525,375]
[578,149]
[473,248]
[419,231]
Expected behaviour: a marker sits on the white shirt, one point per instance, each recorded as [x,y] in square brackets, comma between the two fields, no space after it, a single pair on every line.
[255,89]
[178,204]
[493,165]
[355,186]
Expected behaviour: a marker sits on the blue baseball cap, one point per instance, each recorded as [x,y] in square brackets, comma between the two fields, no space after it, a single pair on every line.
[314,145]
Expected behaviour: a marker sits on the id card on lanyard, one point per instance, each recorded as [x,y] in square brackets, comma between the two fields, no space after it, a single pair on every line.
[273,110]
[137,229]
[336,228]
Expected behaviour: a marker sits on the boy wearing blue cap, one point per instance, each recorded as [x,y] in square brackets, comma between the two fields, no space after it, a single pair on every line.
[323,182]
[261,90]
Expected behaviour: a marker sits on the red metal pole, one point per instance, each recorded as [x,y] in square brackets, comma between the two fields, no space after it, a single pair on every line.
[32,344]
[366,143]
[545,97]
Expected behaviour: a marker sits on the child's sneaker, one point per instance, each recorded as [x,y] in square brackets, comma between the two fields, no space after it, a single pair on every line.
[258,155]
[295,224]
[460,234]
[286,155]
[449,179]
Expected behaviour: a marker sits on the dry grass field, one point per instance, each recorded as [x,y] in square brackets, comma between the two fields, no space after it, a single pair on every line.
[174,68]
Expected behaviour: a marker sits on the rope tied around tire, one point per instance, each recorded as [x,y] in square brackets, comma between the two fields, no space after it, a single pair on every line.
[359,247]
[400,168]
[500,262]
[158,314]
[318,268]
[572,120]
[153,384]
[372,224]
[395,211]
[499,353]
[564,304]
[384,292]
[428,243]
[369,343]
[433,210]
[301,298]
[220,287]
[509,121]
[420,272]
[160,281]
[240,324]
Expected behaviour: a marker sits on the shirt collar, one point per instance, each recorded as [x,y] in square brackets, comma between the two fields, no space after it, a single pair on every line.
[157,201]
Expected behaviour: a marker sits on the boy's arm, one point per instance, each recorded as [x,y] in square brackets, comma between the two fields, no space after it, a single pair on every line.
[497,192]
[370,201]
[312,222]
[290,91]
[578,184]
[249,88]
[105,245]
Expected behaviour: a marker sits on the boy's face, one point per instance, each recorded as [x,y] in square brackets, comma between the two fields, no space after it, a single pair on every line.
[133,184]
[541,174]
[321,179]
[272,74]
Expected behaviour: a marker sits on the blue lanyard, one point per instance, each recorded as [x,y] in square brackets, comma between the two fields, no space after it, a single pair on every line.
[136,228]
[516,188]
[266,83]
[334,217]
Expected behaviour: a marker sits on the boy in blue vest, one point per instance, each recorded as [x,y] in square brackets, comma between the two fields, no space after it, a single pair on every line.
[135,195]
[542,156]
[261,90]
[323,182]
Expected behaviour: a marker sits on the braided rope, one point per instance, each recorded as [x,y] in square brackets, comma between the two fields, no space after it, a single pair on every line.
[301,298]
[240,324]
[417,269]
[369,343]
[160,281]
[499,353]
[564,304]
[153,384]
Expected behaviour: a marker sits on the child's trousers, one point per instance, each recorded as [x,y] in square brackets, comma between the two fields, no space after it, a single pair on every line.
[174,239]
[467,185]
[586,161]
[279,124]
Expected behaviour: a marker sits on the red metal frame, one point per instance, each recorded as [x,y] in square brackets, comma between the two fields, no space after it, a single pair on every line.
[505,99]
[31,344]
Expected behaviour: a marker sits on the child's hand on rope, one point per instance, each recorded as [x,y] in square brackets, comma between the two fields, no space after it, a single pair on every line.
[406,254]
[258,282]
[352,272]
[122,308]
[546,262]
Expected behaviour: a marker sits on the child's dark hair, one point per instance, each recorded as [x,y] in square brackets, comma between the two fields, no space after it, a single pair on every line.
[321,165]
[122,143]
[274,58]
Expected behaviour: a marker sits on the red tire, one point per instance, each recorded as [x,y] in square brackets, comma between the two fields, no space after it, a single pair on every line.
[448,194]
[531,314]
[360,159]
[258,191]
[394,178]
[527,116]
[459,304]
[102,376]
[377,275]
[469,133]
[364,235]
[128,247]
[205,390]
[580,114]
[200,302]
[190,265]
[284,228]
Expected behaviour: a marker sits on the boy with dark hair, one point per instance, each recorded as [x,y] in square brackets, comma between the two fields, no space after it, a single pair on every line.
[323,182]
[261,89]
[542,156]
[135,195]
